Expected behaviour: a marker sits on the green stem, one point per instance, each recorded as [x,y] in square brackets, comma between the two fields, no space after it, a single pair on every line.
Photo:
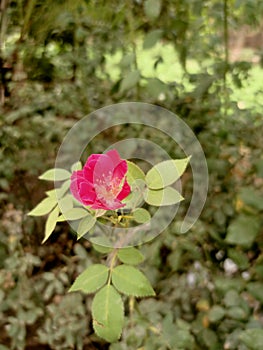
[112,261]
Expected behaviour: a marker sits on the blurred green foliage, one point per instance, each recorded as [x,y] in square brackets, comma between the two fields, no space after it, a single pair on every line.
[61,60]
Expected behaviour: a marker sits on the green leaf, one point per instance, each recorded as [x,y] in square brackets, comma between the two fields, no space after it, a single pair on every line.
[176,338]
[259,167]
[44,207]
[224,284]
[108,314]
[86,225]
[152,38]
[130,281]
[166,173]
[136,197]
[209,338]
[166,196]
[76,166]
[256,289]
[51,223]
[155,87]
[152,8]
[134,172]
[216,313]
[66,203]
[130,80]
[127,60]
[101,249]
[236,313]
[239,258]
[252,338]
[2,347]
[102,240]
[251,198]
[75,214]
[141,215]
[243,230]
[232,298]
[52,194]
[130,256]
[58,193]
[55,174]
[90,280]
[63,189]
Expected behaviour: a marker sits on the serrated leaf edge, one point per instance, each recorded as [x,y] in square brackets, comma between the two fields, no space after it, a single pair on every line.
[134,294]
[71,289]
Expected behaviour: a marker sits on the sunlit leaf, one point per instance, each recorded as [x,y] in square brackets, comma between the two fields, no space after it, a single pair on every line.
[44,207]
[130,80]
[166,196]
[66,203]
[152,38]
[134,172]
[75,214]
[51,223]
[55,174]
[76,166]
[86,225]
[136,197]
[166,173]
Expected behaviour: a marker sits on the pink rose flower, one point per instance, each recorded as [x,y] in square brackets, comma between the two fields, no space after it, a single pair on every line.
[101,184]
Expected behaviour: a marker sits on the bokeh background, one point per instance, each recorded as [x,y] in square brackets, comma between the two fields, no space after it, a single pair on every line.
[201,59]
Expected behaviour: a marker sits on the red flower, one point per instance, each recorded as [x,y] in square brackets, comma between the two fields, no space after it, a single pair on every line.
[101,184]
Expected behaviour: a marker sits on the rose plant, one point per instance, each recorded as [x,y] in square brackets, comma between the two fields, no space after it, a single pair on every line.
[101,184]
[113,190]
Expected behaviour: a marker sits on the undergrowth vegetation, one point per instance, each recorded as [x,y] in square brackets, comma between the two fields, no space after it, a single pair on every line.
[62,60]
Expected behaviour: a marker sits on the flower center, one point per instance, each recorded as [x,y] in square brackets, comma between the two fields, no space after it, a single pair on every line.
[107,188]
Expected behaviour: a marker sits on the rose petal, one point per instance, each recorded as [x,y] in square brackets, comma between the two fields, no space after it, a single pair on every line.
[99,205]
[114,205]
[120,170]
[103,170]
[92,158]
[125,191]
[75,189]
[114,156]
[102,173]
[87,193]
